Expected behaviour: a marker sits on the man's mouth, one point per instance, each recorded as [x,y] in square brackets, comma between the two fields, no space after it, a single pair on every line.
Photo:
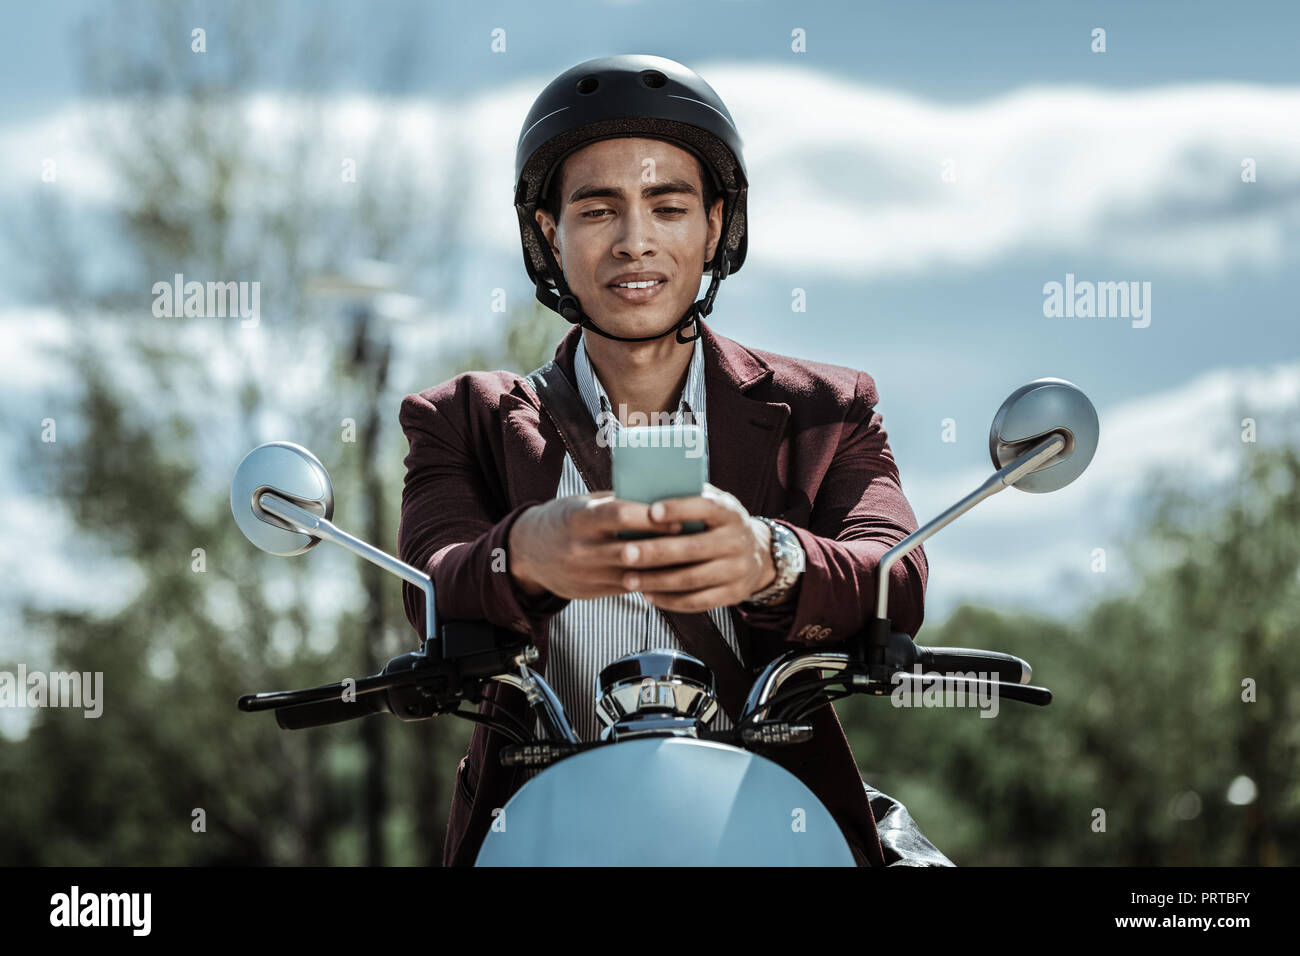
[638,291]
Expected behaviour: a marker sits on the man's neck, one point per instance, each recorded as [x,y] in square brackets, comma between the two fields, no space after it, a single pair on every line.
[646,377]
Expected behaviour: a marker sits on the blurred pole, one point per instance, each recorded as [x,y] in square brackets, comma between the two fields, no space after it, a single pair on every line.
[369,293]
[371,355]
[357,289]
[1256,742]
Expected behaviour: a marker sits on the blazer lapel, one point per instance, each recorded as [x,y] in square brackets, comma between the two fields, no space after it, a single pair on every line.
[746,450]
[745,433]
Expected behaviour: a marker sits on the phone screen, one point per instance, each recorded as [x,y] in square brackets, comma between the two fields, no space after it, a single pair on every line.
[652,462]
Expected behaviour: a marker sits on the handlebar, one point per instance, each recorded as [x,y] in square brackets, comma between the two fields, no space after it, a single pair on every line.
[903,660]
[388,692]
[466,656]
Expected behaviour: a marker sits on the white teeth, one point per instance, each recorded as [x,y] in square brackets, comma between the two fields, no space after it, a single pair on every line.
[639,285]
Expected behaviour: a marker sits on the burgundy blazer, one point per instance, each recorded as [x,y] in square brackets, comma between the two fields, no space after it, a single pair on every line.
[796,441]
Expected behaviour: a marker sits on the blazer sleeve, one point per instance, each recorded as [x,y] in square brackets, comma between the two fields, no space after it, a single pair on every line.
[858,514]
[451,529]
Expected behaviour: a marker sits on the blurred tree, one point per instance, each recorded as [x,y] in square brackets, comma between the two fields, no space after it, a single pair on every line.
[158,413]
[1148,721]
[532,334]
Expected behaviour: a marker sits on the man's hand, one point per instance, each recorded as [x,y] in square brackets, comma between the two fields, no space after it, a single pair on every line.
[569,547]
[718,567]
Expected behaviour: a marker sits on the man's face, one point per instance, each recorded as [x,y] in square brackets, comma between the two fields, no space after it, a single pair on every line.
[630,205]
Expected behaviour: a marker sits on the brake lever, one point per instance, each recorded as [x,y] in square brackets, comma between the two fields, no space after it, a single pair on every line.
[430,679]
[874,673]
[403,669]
[1023,693]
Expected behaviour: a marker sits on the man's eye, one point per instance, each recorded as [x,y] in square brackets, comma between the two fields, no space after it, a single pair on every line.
[595,213]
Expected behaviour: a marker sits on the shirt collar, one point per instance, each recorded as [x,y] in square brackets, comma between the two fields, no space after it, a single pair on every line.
[690,403]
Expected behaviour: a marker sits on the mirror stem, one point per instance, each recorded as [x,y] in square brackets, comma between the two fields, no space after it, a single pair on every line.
[305,522]
[1031,460]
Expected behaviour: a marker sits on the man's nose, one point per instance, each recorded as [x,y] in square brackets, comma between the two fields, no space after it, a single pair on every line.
[636,232]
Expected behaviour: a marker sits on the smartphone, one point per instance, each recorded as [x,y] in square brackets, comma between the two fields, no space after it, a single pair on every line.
[653,462]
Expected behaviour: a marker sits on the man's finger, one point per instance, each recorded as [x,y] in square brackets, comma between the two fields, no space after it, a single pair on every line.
[607,515]
[694,508]
[693,600]
[667,550]
[596,582]
[692,577]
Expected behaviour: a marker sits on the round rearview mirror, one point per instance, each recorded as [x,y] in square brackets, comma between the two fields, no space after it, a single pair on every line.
[292,472]
[1032,413]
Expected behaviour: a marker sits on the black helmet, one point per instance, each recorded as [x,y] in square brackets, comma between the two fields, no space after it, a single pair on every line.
[630,95]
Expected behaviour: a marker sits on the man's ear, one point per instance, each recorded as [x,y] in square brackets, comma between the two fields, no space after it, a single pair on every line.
[550,232]
[715,228]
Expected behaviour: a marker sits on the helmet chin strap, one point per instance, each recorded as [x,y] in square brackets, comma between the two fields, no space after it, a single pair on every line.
[566,304]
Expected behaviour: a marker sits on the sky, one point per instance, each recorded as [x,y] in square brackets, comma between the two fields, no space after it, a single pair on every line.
[921,173]
[949,52]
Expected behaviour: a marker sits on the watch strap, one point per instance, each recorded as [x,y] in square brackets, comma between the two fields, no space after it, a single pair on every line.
[783,582]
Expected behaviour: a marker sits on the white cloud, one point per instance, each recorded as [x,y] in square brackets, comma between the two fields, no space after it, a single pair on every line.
[1153,174]
[27,337]
[847,178]
[55,572]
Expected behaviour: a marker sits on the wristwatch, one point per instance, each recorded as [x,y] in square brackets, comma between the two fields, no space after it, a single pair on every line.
[789,560]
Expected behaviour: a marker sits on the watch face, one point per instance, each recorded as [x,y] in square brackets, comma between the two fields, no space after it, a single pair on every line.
[798,560]
[785,544]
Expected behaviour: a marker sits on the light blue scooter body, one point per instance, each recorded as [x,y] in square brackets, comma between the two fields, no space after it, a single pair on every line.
[665,801]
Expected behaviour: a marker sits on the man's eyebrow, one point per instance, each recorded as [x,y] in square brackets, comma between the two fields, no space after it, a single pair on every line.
[660,188]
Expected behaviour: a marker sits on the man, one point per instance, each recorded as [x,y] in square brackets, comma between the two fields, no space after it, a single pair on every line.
[630,179]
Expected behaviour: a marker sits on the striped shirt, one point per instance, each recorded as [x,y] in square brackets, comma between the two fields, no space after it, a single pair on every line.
[589,634]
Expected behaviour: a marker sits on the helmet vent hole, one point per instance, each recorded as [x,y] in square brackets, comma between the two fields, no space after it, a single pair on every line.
[653,79]
[587,85]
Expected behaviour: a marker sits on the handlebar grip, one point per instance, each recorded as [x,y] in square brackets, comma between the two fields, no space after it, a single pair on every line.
[301,716]
[1026,693]
[1010,669]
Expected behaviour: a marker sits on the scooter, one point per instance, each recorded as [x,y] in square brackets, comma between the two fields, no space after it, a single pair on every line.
[657,768]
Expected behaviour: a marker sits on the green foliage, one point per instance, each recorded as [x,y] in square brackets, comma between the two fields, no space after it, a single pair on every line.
[123,788]
[530,340]
[150,428]
[1148,721]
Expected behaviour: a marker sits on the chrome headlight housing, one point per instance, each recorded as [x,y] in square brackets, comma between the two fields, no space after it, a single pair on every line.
[659,691]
